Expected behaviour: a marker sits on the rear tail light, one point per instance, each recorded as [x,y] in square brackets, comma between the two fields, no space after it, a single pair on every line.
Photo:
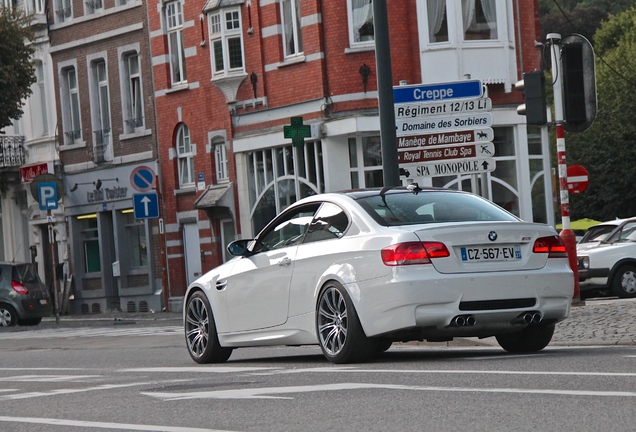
[413,253]
[553,246]
[19,288]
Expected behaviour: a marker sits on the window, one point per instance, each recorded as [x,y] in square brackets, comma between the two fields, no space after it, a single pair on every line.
[90,241]
[40,128]
[137,243]
[93,6]
[365,161]
[63,10]
[361,21]
[330,223]
[70,106]
[279,176]
[479,18]
[133,97]
[176,50]
[9,4]
[292,36]
[226,41]
[220,160]
[437,21]
[101,108]
[185,156]
[289,229]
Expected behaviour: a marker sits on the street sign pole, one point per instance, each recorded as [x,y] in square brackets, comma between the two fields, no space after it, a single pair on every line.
[56,295]
[566,234]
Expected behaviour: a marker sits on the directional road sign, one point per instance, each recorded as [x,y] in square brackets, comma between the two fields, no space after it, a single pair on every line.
[442,124]
[462,151]
[437,92]
[47,195]
[442,108]
[146,205]
[449,167]
[451,137]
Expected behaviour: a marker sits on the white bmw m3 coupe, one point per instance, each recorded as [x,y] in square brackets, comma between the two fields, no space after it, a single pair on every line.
[355,271]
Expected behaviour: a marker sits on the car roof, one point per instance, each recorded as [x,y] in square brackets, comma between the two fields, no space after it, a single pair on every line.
[364,193]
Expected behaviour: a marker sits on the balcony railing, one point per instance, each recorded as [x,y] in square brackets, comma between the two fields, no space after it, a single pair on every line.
[102,139]
[12,152]
[64,13]
[72,136]
[134,123]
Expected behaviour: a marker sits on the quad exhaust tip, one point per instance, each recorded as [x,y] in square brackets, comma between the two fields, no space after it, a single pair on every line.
[463,321]
[532,317]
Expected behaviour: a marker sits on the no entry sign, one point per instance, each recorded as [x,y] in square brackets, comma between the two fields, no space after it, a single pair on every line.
[578,179]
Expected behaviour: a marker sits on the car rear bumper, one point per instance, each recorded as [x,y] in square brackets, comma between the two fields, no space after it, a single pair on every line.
[494,302]
[35,309]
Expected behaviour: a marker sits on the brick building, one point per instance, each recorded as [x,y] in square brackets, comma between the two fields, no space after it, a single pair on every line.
[229,74]
[106,135]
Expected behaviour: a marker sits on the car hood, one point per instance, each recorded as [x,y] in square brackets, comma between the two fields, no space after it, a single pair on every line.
[603,248]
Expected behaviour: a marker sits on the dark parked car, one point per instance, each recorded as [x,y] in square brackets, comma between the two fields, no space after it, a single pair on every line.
[24,299]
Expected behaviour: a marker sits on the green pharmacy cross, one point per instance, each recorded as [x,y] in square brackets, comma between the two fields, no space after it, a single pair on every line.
[297,131]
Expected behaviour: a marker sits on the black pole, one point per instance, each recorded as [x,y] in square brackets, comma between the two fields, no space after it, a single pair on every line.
[390,167]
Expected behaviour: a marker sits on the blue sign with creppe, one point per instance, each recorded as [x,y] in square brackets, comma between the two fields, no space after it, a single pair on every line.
[437,92]
[146,205]
[47,195]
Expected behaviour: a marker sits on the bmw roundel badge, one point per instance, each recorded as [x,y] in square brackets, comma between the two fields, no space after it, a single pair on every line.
[492,236]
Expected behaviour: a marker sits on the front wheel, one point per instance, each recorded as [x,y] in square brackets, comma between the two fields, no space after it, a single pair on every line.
[531,339]
[624,282]
[8,316]
[340,333]
[200,332]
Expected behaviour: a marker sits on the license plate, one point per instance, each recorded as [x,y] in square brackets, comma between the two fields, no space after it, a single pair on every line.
[491,253]
[44,301]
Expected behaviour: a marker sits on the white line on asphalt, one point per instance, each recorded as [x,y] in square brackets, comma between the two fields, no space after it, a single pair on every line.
[269,392]
[51,378]
[199,369]
[91,332]
[102,425]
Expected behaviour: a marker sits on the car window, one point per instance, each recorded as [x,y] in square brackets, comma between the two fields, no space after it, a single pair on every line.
[628,232]
[395,209]
[330,222]
[25,273]
[289,228]
[597,233]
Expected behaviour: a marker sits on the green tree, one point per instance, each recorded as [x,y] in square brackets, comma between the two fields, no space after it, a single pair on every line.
[16,67]
[608,148]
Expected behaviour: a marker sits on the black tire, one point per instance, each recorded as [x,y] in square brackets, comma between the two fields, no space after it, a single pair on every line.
[200,332]
[624,281]
[340,333]
[8,316]
[532,339]
[382,345]
[30,321]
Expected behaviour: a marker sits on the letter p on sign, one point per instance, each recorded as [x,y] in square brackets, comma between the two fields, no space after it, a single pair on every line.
[47,195]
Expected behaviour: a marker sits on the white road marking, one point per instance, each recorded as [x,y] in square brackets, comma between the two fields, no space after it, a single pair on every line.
[199,369]
[91,332]
[269,392]
[102,425]
[51,378]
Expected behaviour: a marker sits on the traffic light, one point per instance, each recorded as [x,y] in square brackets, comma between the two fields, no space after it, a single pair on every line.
[533,87]
[579,83]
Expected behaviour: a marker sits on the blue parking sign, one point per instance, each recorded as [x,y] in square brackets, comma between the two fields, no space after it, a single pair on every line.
[47,195]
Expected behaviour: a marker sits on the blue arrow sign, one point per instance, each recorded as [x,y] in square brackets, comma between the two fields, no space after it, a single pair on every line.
[437,92]
[47,195]
[146,205]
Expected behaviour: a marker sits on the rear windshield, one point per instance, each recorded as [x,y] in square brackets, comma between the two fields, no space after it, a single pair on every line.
[396,209]
[25,273]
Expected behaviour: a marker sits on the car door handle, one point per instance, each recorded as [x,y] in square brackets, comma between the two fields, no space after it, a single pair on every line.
[221,284]
[284,262]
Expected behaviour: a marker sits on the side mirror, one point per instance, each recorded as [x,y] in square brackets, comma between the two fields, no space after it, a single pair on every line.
[244,247]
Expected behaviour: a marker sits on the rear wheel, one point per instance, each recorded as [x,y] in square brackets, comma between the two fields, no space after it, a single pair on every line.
[340,333]
[531,339]
[8,316]
[624,282]
[200,332]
